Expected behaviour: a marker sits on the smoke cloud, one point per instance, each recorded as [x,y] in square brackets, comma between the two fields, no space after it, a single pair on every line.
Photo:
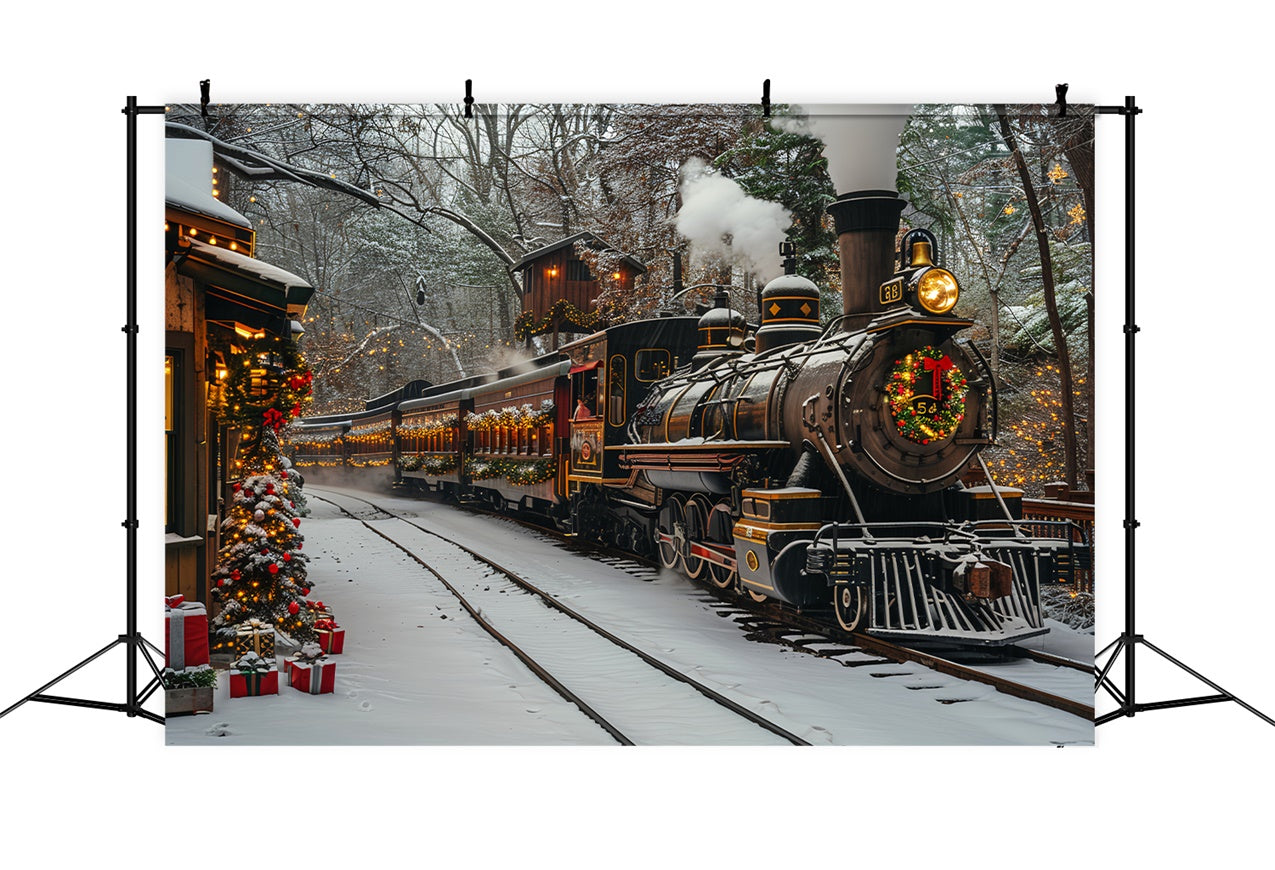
[718,217]
[859,142]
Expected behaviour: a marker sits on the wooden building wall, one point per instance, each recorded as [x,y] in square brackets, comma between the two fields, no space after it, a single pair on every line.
[541,289]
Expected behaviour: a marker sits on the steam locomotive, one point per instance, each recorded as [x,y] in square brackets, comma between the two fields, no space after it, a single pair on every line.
[817,466]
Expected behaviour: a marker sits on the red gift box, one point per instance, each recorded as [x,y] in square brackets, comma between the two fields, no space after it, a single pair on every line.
[248,684]
[331,636]
[185,635]
[317,677]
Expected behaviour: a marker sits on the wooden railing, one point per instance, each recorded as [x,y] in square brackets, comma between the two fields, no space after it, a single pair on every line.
[1080,513]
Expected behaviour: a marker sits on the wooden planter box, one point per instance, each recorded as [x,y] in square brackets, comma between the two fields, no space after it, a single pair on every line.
[186,702]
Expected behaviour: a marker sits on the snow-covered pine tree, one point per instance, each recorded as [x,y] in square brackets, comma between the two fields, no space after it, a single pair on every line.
[261,571]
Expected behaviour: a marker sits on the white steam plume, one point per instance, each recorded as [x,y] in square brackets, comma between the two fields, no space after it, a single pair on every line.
[718,217]
[860,142]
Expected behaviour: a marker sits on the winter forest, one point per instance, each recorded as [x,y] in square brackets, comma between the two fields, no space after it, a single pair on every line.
[407,220]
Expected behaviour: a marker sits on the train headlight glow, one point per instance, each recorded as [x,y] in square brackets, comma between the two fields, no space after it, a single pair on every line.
[937,290]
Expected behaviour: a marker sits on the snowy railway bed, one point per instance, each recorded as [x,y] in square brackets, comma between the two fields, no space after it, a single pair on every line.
[830,691]
[1015,670]
[598,672]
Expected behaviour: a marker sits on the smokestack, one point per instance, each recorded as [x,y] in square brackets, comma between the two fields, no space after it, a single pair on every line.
[867,222]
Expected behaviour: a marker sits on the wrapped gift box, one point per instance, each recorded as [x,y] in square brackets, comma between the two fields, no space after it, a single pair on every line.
[319,610]
[255,636]
[185,634]
[316,676]
[252,676]
[331,636]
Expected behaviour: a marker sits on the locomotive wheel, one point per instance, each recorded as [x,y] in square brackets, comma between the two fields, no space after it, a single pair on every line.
[721,576]
[851,604]
[719,532]
[759,597]
[672,523]
[698,509]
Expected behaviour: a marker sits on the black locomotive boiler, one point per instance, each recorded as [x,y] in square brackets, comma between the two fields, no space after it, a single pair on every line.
[822,467]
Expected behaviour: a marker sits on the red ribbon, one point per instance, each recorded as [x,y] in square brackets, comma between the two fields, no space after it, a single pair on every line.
[938,367]
[325,624]
[273,418]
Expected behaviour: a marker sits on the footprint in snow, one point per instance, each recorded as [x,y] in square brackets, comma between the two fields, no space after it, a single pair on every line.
[221,729]
[353,693]
[365,706]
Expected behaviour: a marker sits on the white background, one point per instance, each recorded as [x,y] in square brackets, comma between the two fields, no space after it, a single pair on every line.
[1169,788]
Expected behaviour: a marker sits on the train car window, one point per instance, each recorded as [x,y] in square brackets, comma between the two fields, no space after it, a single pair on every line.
[586,389]
[748,508]
[652,364]
[763,510]
[615,390]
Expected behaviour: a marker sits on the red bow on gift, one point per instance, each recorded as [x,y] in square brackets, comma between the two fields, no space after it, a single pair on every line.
[938,367]
[325,624]
[174,600]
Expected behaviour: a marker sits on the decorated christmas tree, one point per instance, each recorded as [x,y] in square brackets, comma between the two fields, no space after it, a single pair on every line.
[261,571]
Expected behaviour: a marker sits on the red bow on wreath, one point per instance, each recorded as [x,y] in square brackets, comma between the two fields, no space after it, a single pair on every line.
[273,418]
[938,367]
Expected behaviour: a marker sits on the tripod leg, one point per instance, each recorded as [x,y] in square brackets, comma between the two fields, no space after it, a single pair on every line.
[1249,707]
[60,677]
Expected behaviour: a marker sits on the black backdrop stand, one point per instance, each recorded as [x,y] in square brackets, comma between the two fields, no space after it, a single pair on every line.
[132,640]
[1130,640]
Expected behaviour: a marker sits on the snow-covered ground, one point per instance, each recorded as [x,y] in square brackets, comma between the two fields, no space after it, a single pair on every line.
[418,670]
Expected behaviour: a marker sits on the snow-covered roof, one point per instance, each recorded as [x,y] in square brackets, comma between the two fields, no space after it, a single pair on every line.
[188,181]
[247,265]
[592,240]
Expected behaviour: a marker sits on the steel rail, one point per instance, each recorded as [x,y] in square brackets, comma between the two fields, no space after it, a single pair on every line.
[548,599]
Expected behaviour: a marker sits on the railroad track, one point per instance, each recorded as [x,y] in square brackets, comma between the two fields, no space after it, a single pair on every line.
[598,661]
[770,621]
[798,631]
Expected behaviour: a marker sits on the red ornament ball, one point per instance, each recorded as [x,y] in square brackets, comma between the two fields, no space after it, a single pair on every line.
[287,557]
[270,489]
[293,607]
[274,569]
[235,575]
[296,522]
[305,591]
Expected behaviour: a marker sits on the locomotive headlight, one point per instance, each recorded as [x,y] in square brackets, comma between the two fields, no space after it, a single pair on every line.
[936,289]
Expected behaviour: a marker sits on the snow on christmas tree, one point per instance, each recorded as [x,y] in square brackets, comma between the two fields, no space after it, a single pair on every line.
[261,571]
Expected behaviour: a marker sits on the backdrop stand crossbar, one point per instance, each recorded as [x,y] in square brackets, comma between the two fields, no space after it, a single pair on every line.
[1129,641]
[132,640]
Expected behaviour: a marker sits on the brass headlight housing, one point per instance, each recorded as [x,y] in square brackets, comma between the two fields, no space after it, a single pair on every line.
[936,290]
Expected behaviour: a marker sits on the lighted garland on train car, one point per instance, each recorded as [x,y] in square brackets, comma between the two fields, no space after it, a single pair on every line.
[921,416]
[517,473]
[515,417]
[429,464]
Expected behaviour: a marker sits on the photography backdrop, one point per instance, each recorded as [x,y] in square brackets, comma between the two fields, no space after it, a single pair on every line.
[342,279]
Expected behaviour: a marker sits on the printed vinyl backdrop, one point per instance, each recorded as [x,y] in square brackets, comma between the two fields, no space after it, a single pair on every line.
[596,424]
